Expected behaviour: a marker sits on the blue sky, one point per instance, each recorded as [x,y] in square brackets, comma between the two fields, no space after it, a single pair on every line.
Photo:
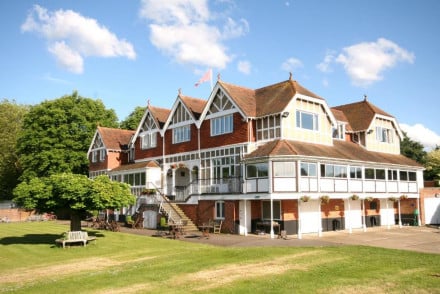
[128,52]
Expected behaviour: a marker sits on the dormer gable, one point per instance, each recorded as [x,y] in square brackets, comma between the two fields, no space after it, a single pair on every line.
[153,120]
[109,140]
[362,114]
[186,110]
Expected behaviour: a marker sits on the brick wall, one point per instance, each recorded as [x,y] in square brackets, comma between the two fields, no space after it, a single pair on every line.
[15,214]
[152,152]
[239,135]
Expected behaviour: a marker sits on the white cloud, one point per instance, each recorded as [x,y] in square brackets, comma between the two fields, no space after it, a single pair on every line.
[244,67]
[233,29]
[71,37]
[291,63]
[181,29]
[420,133]
[324,66]
[365,62]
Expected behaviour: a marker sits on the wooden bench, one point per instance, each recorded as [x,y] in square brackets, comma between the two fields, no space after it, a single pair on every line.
[75,237]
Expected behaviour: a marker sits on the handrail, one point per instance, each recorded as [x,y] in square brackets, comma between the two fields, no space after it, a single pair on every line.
[163,199]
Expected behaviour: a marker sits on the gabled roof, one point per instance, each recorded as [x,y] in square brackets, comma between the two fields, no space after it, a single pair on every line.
[340,116]
[114,139]
[340,150]
[267,100]
[360,114]
[160,114]
[195,105]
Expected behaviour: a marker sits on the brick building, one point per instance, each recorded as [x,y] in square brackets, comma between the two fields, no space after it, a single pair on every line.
[264,160]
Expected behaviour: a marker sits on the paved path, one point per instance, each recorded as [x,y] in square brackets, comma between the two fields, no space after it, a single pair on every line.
[421,239]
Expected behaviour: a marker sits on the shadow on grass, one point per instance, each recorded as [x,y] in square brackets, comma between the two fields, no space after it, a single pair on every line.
[48,239]
[30,239]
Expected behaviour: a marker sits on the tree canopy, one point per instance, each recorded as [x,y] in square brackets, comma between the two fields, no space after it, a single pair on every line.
[56,135]
[11,120]
[412,149]
[76,193]
[131,122]
[433,164]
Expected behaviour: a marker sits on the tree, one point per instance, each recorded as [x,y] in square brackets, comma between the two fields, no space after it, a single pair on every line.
[76,193]
[433,164]
[412,149]
[11,120]
[57,133]
[131,122]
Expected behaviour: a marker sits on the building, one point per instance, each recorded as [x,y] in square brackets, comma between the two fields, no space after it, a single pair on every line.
[272,159]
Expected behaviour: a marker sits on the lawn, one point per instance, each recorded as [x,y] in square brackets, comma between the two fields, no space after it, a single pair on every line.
[125,263]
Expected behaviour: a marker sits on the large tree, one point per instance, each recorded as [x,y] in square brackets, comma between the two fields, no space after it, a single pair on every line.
[57,133]
[132,121]
[11,120]
[76,193]
[433,164]
[412,149]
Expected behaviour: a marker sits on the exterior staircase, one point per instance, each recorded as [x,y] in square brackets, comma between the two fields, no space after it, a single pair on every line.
[176,215]
[171,210]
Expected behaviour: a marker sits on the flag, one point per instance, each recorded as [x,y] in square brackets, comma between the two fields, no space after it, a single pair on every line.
[205,78]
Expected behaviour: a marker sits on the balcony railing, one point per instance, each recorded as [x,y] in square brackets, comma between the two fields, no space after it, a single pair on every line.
[208,186]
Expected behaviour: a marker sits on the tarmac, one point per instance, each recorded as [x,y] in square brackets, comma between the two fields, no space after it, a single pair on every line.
[420,239]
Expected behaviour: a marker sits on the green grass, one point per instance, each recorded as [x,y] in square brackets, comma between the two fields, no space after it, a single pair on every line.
[124,263]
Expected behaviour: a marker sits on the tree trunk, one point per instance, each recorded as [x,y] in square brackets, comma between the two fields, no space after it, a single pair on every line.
[75,220]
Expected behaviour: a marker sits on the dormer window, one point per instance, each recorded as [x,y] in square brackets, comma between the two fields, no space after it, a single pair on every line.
[384,135]
[339,131]
[222,125]
[101,155]
[94,156]
[149,140]
[307,120]
[181,134]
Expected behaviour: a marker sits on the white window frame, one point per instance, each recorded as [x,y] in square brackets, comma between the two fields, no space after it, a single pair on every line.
[94,156]
[149,140]
[301,115]
[339,132]
[181,134]
[384,135]
[219,209]
[308,165]
[102,154]
[222,125]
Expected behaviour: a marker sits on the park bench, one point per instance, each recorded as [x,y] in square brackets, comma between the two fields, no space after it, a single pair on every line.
[75,237]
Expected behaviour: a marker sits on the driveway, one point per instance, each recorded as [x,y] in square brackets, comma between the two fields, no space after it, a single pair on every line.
[421,239]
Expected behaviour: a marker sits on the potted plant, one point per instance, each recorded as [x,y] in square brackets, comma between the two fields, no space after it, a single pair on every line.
[369,199]
[354,197]
[392,199]
[403,197]
[324,199]
[305,198]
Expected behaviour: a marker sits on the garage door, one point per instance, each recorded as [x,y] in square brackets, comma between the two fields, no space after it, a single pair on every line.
[310,216]
[432,211]
[386,214]
[354,215]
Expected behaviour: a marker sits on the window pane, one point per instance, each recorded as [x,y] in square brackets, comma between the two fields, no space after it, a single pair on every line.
[307,121]
[403,176]
[369,173]
[312,170]
[251,171]
[412,176]
[284,169]
[262,170]
[380,174]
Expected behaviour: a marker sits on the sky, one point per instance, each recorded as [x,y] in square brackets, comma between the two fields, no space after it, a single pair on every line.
[127,53]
